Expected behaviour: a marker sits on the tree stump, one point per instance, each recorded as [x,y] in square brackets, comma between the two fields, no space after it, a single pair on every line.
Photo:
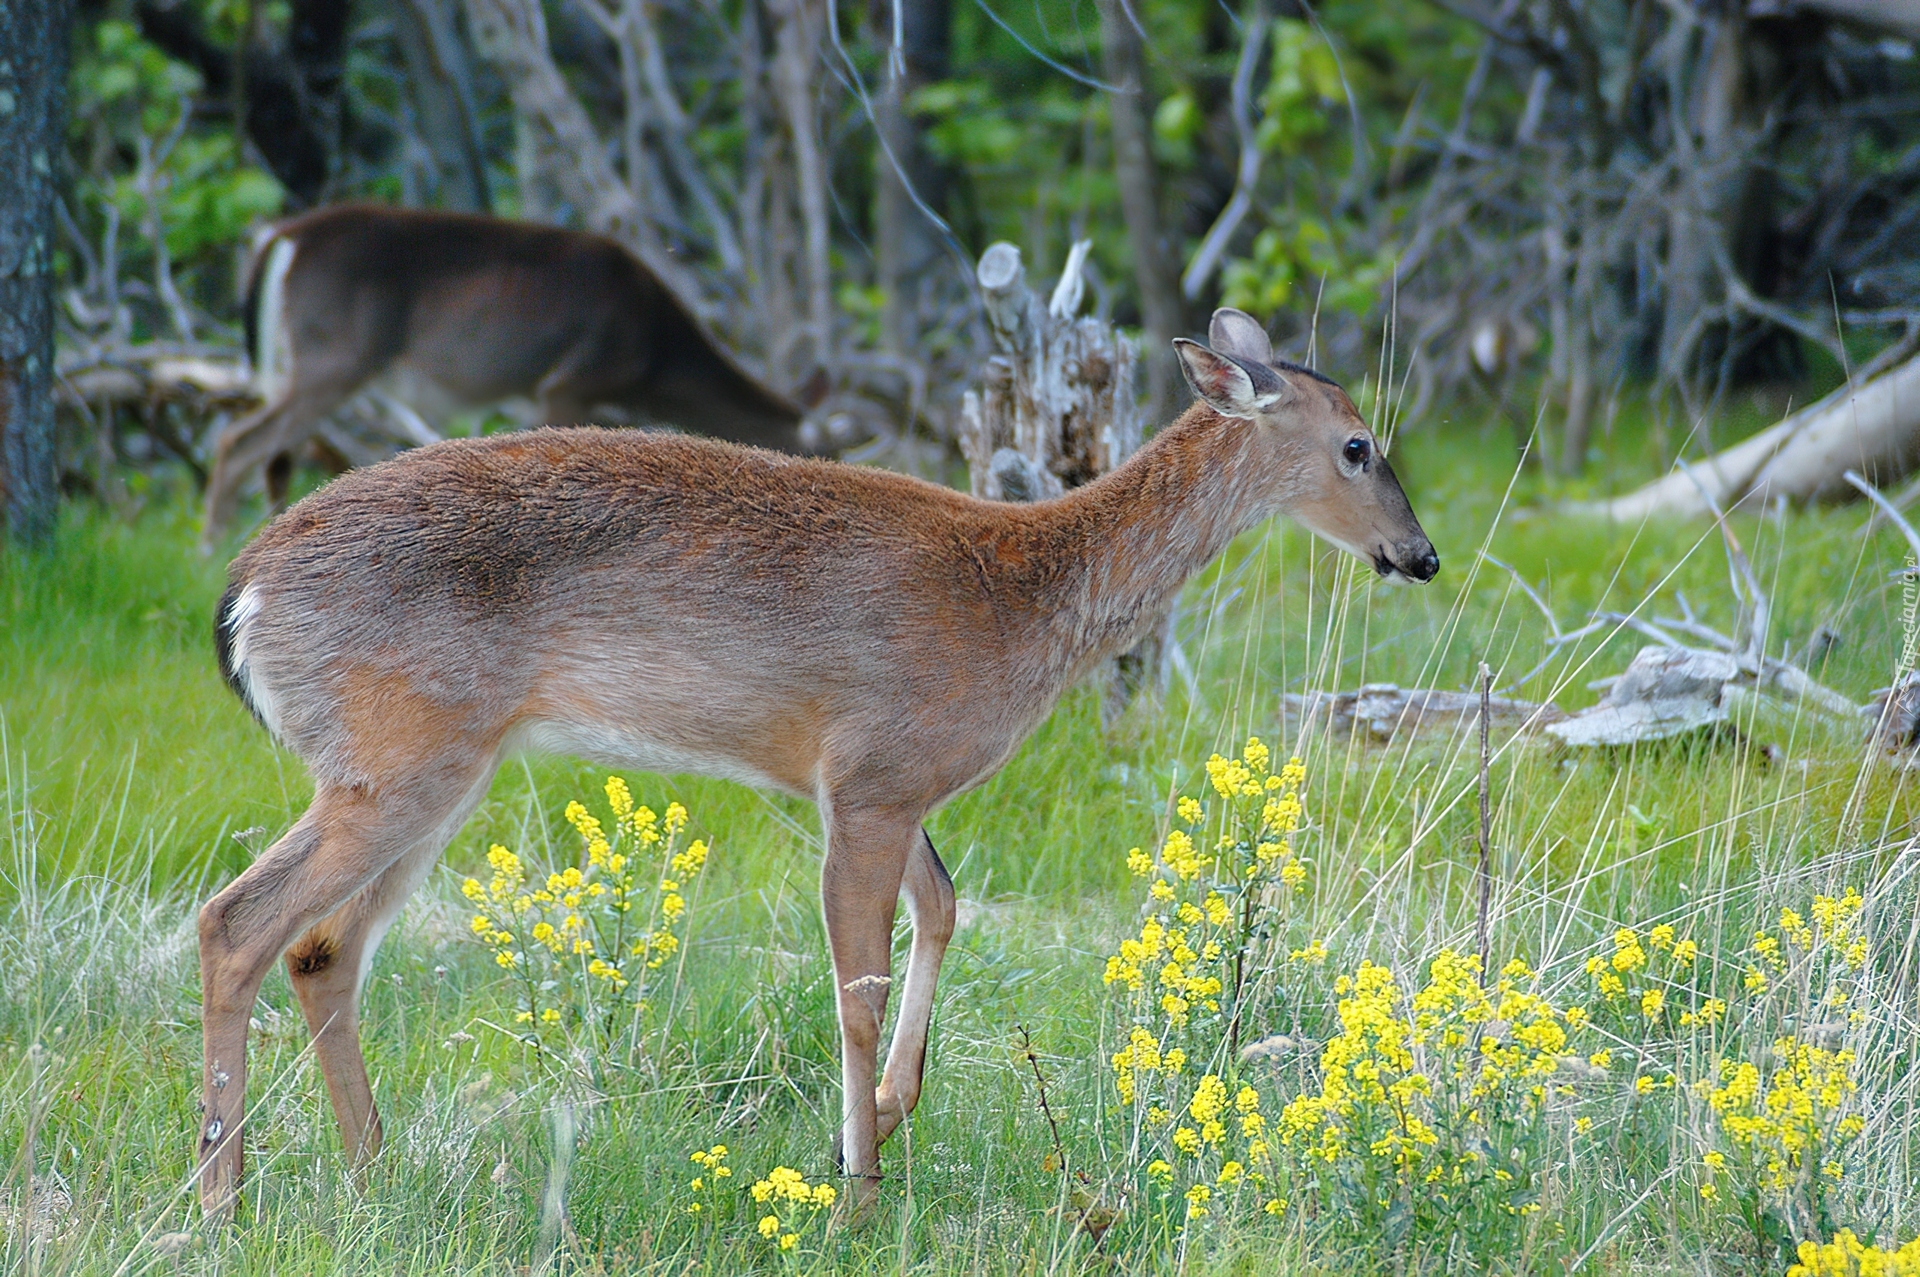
[1056,410]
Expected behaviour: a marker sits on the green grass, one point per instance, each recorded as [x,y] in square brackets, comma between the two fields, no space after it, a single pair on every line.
[134,784]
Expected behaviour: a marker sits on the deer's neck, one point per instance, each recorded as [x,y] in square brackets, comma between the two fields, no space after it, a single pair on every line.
[1141,532]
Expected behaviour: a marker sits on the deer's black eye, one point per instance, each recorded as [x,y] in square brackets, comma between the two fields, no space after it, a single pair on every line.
[1356,452]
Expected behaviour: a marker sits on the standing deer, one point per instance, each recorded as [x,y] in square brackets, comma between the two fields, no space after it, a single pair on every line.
[864,639]
[470,310]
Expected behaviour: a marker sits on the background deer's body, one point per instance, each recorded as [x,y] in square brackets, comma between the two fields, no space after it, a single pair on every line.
[473,310]
[866,640]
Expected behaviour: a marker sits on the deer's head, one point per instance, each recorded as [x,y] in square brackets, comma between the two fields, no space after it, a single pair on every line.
[1327,468]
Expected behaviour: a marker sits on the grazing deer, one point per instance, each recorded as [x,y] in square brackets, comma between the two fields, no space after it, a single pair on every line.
[864,639]
[471,310]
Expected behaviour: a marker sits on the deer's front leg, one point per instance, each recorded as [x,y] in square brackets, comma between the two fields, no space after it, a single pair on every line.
[867,854]
[929,893]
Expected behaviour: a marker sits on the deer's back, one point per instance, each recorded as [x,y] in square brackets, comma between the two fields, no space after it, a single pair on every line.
[482,307]
[558,575]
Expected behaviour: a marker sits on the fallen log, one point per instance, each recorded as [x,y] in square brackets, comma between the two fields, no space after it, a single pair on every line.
[1895,714]
[1872,426]
[1665,691]
[140,376]
[1383,710]
[208,384]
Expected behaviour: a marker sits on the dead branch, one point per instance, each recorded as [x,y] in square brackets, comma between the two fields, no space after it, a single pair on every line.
[1669,688]
[513,35]
[202,379]
[1206,258]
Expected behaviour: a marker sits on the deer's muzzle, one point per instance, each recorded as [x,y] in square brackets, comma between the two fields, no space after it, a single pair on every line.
[1408,561]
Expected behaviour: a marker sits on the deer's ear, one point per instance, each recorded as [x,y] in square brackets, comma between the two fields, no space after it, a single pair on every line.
[1230,387]
[1239,335]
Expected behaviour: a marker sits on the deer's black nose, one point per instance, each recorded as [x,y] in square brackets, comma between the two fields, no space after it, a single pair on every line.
[1424,566]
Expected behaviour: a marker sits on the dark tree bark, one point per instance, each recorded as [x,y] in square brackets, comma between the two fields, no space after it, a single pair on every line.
[1155,268]
[289,98]
[908,242]
[440,77]
[292,95]
[33,75]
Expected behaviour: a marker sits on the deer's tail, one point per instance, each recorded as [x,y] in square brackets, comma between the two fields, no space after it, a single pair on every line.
[267,265]
[235,609]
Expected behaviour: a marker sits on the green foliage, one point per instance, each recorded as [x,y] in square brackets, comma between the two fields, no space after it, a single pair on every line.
[1309,256]
[1177,122]
[1031,150]
[137,88]
[1303,85]
[1296,265]
[210,198]
[964,126]
[146,159]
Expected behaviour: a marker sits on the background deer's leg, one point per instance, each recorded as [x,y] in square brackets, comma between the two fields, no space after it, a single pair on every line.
[329,964]
[344,841]
[259,438]
[867,853]
[929,892]
[570,389]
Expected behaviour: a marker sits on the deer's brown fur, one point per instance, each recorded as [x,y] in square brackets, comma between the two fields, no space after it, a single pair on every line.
[866,640]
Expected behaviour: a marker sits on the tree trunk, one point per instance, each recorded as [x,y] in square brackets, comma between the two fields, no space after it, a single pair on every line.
[1055,410]
[908,243]
[442,86]
[1580,394]
[33,75]
[796,76]
[1155,271]
[1711,168]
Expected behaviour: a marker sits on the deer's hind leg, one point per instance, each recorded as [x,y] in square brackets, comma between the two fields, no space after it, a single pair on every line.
[348,845]
[327,967]
[929,892]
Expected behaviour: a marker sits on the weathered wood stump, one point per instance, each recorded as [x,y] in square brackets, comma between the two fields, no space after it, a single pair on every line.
[1055,410]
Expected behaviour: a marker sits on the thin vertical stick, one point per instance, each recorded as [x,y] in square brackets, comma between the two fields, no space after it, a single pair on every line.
[1486,820]
[1040,1085]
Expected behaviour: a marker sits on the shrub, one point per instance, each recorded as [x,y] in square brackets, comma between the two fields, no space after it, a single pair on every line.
[1463,1114]
[587,943]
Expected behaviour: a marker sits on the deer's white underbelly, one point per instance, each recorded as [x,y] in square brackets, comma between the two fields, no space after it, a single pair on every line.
[625,747]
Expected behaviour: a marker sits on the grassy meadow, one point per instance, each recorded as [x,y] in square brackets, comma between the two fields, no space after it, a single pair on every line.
[1558,1122]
